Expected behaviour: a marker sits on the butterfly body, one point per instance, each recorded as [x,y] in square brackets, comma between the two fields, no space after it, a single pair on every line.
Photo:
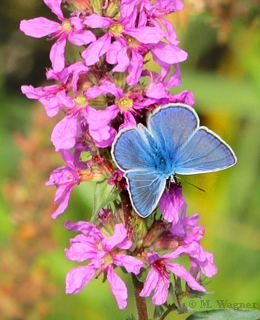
[173,143]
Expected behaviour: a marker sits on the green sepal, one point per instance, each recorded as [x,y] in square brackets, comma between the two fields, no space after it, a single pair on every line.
[104,194]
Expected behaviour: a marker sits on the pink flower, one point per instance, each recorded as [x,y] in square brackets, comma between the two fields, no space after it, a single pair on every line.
[127,38]
[200,259]
[126,106]
[186,230]
[118,180]
[147,9]
[85,227]
[164,53]
[127,103]
[98,123]
[47,96]
[158,278]
[103,254]
[64,178]
[71,28]
[64,133]
[172,203]
[52,96]
[158,86]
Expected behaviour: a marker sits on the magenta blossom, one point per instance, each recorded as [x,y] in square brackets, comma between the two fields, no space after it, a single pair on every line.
[158,278]
[158,85]
[126,103]
[103,254]
[64,178]
[127,38]
[64,133]
[52,96]
[200,260]
[186,230]
[172,203]
[148,10]
[72,28]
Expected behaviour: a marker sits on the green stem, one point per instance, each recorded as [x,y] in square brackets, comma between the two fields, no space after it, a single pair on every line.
[140,301]
[169,310]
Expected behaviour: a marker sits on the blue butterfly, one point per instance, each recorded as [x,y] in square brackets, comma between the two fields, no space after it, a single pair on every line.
[173,143]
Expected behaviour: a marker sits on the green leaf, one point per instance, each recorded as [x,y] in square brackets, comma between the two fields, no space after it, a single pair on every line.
[104,194]
[226,314]
[142,275]
[158,312]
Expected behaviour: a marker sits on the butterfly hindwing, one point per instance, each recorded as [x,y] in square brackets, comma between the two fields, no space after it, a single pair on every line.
[204,152]
[145,188]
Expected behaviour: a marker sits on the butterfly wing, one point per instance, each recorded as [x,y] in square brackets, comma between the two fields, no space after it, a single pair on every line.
[204,152]
[134,149]
[145,188]
[172,125]
[135,152]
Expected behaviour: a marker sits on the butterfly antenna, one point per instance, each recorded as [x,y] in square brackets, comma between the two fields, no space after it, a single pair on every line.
[190,184]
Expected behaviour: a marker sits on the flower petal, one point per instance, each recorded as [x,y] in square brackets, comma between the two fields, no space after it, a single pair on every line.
[146,34]
[131,264]
[57,55]
[161,291]
[169,53]
[38,27]
[54,5]
[96,49]
[150,283]
[81,37]
[95,21]
[135,68]
[119,236]
[181,272]
[118,288]
[78,277]
[63,134]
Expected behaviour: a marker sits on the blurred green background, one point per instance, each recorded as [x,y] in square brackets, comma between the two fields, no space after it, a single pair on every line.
[222,38]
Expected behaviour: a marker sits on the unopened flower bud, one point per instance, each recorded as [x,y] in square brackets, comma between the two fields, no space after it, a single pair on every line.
[90,175]
[99,102]
[82,5]
[120,79]
[97,6]
[113,8]
[107,168]
[164,244]
[154,232]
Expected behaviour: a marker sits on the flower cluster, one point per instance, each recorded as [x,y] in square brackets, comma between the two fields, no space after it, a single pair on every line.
[110,243]
[106,90]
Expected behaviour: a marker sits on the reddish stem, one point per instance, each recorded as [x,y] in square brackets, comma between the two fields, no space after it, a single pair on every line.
[140,301]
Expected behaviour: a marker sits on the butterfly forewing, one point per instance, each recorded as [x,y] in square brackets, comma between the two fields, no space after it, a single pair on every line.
[145,188]
[132,149]
[204,152]
[172,126]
